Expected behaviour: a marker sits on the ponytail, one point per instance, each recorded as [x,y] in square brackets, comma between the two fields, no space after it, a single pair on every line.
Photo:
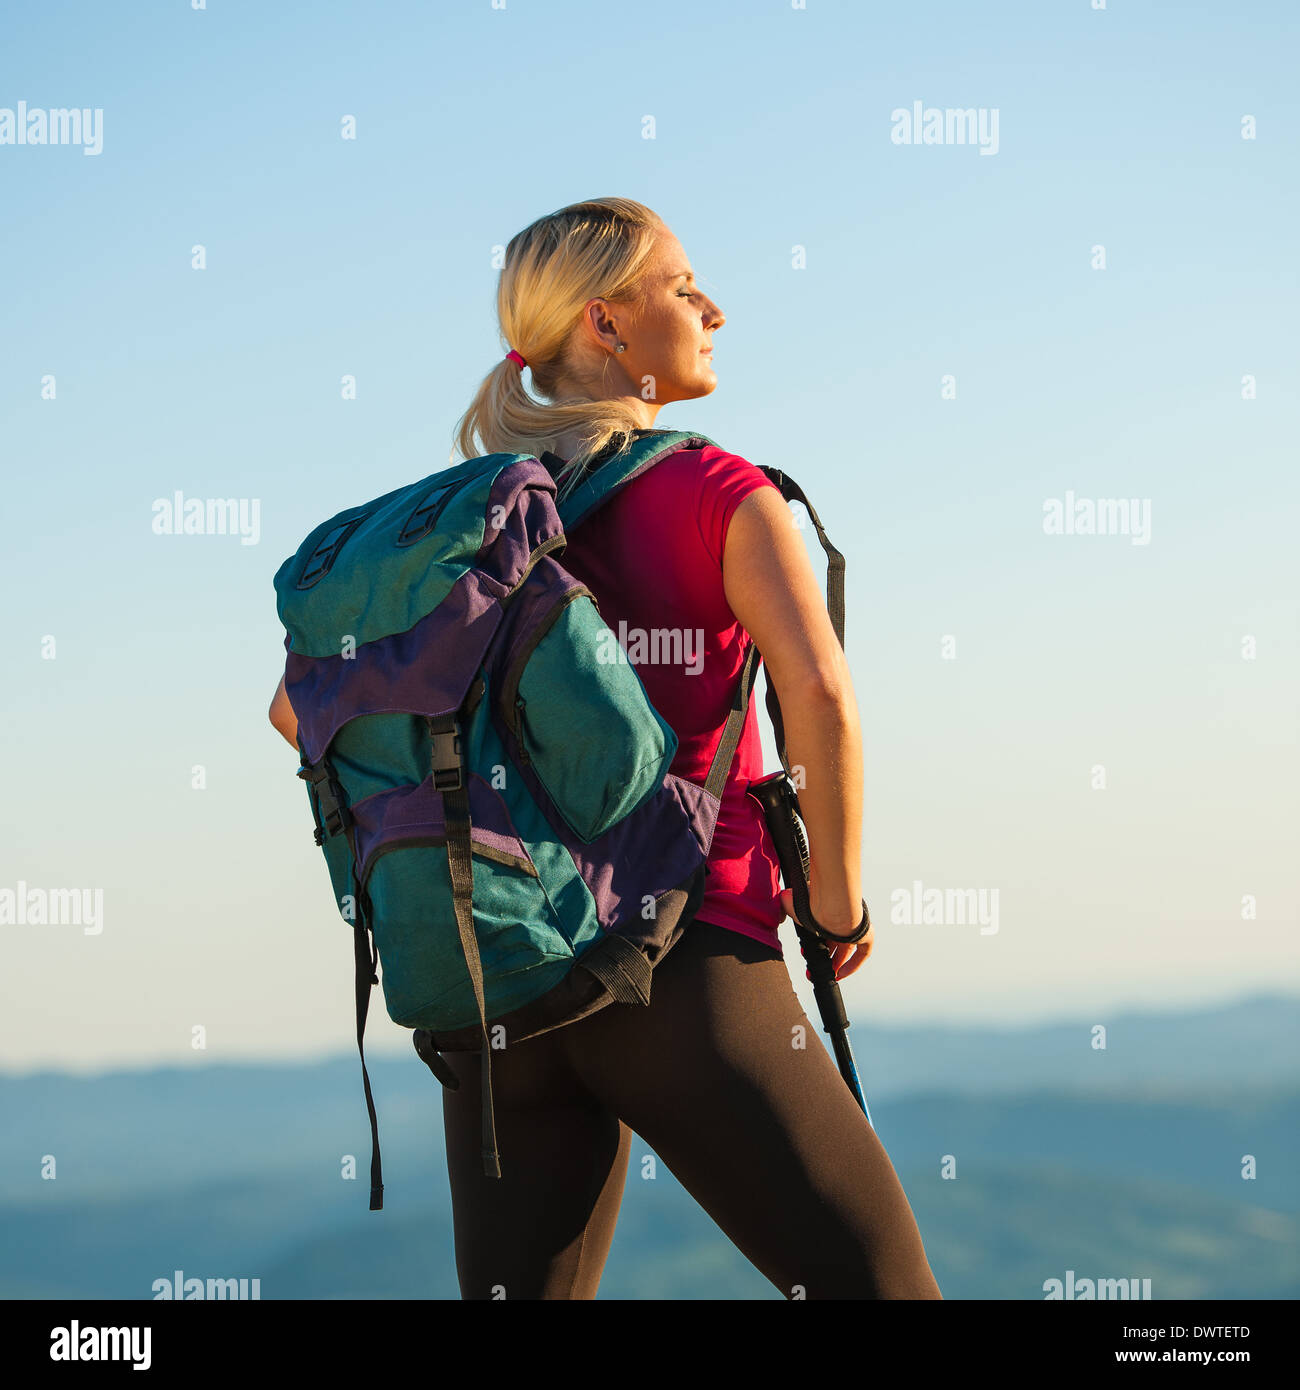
[553,268]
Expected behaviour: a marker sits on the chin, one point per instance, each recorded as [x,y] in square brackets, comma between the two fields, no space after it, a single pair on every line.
[691,388]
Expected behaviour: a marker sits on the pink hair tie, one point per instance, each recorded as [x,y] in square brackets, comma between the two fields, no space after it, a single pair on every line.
[515,357]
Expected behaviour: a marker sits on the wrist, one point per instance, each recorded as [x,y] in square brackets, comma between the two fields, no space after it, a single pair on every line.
[847,935]
[840,915]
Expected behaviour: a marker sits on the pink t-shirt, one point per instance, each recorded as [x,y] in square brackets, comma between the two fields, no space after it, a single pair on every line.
[652,555]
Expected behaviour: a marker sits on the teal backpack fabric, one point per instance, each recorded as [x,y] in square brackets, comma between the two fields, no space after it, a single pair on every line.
[489,781]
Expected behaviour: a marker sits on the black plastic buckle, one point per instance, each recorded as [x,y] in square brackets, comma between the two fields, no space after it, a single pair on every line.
[332,816]
[446,759]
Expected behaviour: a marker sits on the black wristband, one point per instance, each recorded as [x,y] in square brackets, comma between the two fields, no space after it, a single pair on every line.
[863,928]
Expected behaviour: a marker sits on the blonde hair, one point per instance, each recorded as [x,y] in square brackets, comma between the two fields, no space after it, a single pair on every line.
[591,250]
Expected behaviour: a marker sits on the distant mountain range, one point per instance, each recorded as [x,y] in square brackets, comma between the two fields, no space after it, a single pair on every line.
[1126,1163]
[1255,1042]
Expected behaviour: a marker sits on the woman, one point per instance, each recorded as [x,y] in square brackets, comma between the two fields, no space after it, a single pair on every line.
[721,1073]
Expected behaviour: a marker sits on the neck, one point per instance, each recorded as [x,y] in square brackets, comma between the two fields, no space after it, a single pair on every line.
[568,444]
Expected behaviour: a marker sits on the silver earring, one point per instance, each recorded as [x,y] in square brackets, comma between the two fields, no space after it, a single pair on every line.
[620,347]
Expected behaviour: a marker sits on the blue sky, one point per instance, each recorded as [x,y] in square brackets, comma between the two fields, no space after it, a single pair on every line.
[1119,128]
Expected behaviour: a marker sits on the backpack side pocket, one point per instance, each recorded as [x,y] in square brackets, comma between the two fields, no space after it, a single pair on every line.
[581,717]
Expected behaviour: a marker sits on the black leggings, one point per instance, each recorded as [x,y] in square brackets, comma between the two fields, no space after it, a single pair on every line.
[763,1133]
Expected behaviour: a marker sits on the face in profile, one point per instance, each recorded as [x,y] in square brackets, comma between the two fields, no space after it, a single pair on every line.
[669,335]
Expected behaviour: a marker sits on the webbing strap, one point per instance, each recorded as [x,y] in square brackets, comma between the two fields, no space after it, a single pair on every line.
[792,492]
[734,726]
[621,968]
[455,801]
[367,960]
[331,817]
[365,978]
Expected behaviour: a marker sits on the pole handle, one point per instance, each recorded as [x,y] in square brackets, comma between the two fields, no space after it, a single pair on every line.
[780,806]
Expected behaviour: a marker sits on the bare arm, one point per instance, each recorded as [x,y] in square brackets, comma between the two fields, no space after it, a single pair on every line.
[772,589]
[282,716]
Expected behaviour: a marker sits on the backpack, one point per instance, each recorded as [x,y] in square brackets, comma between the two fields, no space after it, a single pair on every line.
[488,778]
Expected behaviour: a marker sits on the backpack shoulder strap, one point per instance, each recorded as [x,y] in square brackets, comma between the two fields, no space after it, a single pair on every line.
[792,492]
[630,462]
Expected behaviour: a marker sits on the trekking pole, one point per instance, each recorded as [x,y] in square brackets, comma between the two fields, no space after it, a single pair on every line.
[780,803]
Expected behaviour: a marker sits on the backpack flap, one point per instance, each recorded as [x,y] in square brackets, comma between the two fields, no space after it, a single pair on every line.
[425,570]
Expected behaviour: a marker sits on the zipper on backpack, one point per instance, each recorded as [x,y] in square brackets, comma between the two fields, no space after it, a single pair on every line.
[519,730]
